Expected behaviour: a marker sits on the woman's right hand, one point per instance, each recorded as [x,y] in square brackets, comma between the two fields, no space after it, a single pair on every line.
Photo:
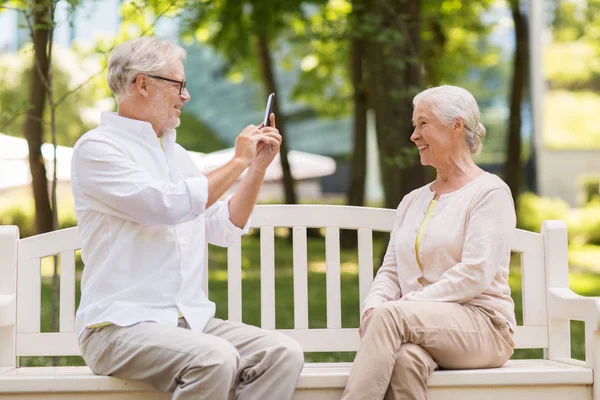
[364,322]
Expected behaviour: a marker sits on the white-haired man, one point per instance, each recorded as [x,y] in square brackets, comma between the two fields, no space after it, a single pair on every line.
[145,214]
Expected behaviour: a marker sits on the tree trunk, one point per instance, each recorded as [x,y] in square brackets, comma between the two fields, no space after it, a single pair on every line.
[33,127]
[395,76]
[264,56]
[513,165]
[358,166]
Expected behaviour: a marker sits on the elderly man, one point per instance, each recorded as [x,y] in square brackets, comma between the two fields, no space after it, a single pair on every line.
[145,215]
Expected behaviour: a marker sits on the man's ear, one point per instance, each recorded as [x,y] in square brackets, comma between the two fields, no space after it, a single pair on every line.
[141,85]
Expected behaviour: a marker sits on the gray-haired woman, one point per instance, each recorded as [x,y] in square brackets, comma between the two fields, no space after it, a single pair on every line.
[441,297]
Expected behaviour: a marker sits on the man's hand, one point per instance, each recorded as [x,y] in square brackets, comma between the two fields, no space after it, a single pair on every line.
[248,143]
[267,149]
[364,322]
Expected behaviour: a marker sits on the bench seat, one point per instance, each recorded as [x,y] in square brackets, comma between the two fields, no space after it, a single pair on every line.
[521,379]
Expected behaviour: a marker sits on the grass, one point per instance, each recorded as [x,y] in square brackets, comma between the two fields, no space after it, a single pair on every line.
[583,283]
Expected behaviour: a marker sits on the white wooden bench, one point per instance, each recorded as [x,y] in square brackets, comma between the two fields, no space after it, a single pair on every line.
[548,306]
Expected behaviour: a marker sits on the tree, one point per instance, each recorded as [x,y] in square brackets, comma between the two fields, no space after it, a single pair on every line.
[394,74]
[358,170]
[513,164]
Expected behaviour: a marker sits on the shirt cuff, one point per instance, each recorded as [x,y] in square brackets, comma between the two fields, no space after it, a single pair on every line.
[198,188]
[223,215]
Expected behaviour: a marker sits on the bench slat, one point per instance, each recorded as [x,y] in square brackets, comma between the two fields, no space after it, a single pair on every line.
[515,373]
[234,281]
[49,244]
[318,216]
[533,284]
[333,285]
[300,278]
[267,277]
[365,263]
[67,291]
[29,296]
[47,344]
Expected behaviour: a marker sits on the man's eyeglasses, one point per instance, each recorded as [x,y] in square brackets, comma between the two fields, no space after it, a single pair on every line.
[182,84]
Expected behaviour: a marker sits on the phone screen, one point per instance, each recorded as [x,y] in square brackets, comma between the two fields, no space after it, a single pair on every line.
[266,120]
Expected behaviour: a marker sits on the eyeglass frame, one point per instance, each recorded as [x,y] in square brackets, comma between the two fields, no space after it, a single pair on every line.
[182,84]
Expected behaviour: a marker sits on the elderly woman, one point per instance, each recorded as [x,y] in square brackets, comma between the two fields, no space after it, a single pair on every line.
[441,297]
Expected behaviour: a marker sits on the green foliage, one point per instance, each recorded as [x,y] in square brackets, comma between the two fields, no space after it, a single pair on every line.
[590,185]
[20,217]
[17,208]
[452,35]
[585,224]
[68,72]
[565,74]
[320,52]
[575,20]
[532,210]
[194,135]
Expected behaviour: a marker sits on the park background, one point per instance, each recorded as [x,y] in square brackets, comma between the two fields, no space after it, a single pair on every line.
[345,72]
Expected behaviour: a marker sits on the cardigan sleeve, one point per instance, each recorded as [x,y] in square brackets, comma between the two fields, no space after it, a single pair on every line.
[386,285]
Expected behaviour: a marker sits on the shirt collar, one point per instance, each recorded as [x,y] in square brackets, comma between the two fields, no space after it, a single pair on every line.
[142,129]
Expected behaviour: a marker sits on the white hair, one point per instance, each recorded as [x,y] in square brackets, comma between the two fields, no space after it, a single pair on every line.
[143,55]
[451,102]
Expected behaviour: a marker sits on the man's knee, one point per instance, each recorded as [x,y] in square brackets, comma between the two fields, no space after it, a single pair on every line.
[291,353]
[223,359]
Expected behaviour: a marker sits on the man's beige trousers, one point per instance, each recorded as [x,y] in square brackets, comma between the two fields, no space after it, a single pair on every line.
[405,341]
[229,360]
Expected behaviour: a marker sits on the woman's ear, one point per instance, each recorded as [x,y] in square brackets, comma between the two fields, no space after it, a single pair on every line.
[458,125]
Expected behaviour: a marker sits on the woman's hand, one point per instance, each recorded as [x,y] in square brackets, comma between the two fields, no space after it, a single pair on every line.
[364,322]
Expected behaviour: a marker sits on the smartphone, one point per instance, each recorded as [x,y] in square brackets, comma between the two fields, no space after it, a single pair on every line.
[270,100]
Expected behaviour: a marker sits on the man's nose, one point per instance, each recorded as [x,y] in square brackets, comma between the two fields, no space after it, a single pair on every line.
[185,95]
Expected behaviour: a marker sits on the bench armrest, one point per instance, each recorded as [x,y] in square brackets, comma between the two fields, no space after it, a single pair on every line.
[8,315]
[563,303]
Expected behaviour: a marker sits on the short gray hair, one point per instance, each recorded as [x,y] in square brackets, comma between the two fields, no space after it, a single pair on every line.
[147,54]
[451,102]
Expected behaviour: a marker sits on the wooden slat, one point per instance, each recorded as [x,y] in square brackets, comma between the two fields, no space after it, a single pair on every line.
[47,344]
[267,278]
[206,271]
[49,244]
[315,340]
[344,217]
[523,241]
[300,278]
[234,281]
[29,296]
[531,337]
[332,260]
[67,291]
[533,282]
[365,262]
[347,339]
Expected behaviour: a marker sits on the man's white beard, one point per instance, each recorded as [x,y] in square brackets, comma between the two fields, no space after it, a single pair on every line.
[161,112]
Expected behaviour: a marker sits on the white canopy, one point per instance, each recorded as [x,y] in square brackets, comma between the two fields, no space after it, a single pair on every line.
[14,163]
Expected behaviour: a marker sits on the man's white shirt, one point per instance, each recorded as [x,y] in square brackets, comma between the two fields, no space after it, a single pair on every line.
[144,225]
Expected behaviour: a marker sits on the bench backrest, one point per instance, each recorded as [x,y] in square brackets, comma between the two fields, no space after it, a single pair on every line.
[31,342]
